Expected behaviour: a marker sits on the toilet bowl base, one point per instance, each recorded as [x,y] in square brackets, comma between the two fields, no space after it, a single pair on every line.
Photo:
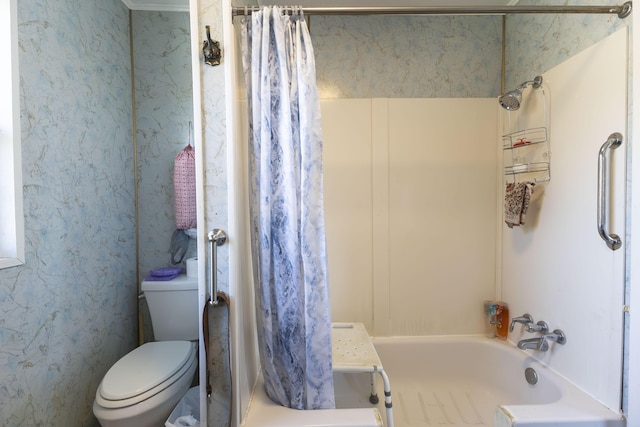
[152,412]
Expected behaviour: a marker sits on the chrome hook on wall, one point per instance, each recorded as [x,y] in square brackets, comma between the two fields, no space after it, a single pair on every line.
[211,50]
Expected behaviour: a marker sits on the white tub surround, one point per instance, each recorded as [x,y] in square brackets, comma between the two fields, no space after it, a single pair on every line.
[400,178]
[573,280]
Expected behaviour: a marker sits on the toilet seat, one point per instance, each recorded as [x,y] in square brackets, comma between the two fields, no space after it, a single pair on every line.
[145,372]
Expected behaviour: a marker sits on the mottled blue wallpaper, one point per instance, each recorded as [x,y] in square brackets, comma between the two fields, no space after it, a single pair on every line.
[164,108]
[70,311]
[536,43]
[407,56]
[446,56]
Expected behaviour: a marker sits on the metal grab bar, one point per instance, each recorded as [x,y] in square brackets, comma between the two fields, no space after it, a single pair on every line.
[217,238]
[612,240]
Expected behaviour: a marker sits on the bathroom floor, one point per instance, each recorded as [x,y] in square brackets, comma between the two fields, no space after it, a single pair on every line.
[418,403]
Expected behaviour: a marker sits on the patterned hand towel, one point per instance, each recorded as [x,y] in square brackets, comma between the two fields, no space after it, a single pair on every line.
[516,202]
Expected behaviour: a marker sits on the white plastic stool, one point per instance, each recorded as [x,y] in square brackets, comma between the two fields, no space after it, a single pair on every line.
[354,352]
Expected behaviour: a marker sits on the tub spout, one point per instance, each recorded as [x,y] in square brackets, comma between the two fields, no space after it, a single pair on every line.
[539,344]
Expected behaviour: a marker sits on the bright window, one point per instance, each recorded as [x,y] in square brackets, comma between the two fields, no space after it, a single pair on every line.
[11,215]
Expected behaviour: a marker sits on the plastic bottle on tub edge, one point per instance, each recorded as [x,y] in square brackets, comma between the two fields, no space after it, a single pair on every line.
[490,318]
[502,320]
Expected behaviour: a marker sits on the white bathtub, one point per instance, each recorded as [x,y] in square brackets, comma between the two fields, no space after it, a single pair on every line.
[448,381]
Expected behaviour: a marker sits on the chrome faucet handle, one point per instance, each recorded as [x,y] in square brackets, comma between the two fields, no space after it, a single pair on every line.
[543,345]
[557,335]
[525,319]
[541,327]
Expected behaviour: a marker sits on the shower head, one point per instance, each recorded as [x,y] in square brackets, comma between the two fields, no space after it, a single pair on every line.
[511,100]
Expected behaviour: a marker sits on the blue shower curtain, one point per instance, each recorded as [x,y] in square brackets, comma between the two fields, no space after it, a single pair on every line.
[287,214]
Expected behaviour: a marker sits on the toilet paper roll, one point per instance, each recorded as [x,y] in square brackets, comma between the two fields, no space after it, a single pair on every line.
[192,267]
[188,420]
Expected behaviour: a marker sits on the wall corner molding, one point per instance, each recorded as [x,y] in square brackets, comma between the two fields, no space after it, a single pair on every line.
[158,5]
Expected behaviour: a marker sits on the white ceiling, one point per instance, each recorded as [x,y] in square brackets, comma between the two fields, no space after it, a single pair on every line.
[183,5]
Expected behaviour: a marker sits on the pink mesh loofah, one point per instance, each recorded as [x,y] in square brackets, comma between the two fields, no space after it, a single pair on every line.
[184,184]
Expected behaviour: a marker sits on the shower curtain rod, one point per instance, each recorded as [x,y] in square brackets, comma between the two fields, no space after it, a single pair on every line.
[622,11]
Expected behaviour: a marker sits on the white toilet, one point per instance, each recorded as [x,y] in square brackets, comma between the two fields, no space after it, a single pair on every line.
[142,388]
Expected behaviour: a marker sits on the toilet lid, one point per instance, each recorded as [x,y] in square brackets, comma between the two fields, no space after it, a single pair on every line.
[144,368]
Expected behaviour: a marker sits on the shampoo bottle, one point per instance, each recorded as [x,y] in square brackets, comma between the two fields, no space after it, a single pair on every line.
[502,320]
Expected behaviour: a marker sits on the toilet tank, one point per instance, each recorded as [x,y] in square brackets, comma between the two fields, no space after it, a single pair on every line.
[173,306]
